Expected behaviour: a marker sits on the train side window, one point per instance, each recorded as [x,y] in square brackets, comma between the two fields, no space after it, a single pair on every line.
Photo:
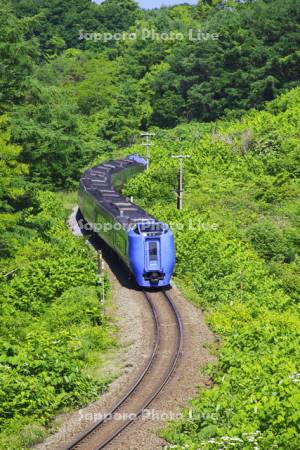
[152,251]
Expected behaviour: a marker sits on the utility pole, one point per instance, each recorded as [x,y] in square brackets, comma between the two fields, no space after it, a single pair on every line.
[180,186]
[147,144]
[101,275]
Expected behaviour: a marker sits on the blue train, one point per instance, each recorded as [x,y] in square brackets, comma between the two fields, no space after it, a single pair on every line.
[143,243]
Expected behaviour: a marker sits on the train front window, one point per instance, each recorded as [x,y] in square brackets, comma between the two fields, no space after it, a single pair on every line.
[152,251]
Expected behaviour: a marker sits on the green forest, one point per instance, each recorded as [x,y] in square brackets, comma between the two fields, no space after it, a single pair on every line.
[68,100]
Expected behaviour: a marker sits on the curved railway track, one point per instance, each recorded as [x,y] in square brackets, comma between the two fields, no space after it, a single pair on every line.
[161,364]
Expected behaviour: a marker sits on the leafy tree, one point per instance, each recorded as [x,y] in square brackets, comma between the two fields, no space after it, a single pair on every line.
[48,129]
[17,55]
[118,15]
[58,23]
[244,67]
[12,171]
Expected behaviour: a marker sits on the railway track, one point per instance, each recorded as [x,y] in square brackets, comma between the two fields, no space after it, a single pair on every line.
[161,364]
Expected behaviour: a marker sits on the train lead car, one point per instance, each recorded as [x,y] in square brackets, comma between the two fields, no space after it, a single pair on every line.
[143,243]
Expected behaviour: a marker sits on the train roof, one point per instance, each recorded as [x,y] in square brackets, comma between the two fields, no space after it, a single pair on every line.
[97,181]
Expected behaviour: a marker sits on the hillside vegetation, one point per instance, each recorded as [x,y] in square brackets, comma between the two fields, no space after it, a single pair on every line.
[238,248]
[232,103]
[52,324]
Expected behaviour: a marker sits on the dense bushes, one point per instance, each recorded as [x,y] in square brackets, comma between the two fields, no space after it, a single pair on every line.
[269,241]
[52,324]
[254,402]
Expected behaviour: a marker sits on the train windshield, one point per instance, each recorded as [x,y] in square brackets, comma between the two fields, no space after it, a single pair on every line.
[152,252]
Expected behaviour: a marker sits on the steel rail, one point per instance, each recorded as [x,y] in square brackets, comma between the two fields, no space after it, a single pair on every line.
[154,352]
[171,368]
